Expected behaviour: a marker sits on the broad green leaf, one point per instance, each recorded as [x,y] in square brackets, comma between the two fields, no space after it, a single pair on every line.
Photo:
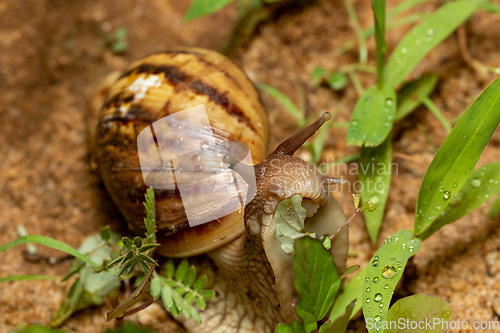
[481,186]
[424,37]
[418,310]
[340,324]
[204,7]
[316,280]
[289,218]
[49,242]
[351,269]
[409,94]
[494,211]
[25,277]
[349,293]
[383,273]
[375,176]
[155,287]
[294,327]
[379,18]
[457,157]
[373,116]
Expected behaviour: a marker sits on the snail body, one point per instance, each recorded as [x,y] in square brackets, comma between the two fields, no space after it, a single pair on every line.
[252,276]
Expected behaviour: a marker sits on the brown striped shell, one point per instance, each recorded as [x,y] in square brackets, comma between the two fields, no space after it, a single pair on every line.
[183,78]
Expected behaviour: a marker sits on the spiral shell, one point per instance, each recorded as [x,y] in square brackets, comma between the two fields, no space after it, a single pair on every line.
[153,88]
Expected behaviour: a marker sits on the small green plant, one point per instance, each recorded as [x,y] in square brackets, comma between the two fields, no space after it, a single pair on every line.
[105,260]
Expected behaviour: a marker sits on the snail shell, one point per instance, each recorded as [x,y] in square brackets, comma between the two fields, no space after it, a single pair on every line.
[153,88]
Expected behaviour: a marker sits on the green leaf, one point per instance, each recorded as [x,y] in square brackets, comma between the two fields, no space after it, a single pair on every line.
[424,37]
[383,273]
[294,327]
[480,187]
[182,270]
[155,287]
[128,243]
[375,177]
[373,117]
[168,300]
[340,324]
[204,7]
[208,294]
[351,292]
[419,308]
[169,269]
[190,277]
[148,247]
[317,75]
[351,269]
[494,211]
[25,277]
[457,157]
[200,283]
[49,242]
[138,242]
[149,221]
[337,80]
[289,217]
[379,18]
[316,280]
[106,233]
[409,95]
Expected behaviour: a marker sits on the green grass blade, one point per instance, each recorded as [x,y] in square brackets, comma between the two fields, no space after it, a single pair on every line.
[363,52]
[204,7]
[404,6]
[457,156]
[373,117]
[409,94]
[494,210]
[482,185]
[383,273]
[436,112]
[286,102]
[424,37]
[49,242]
[375,177]
[25,277]
[381,46]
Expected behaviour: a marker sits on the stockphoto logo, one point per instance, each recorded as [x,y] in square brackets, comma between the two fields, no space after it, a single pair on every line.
[181,150]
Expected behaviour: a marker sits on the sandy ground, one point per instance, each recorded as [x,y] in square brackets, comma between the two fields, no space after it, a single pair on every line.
[52,57]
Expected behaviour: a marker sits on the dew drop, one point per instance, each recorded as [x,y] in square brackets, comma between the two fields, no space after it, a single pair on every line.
[446,195]
[375,263]
[354,123]
[392,259]
[386,286]
[377,318]
[378,297]
[389,101]
[367,279]
[386,124]
[404,50]
[455,185]
[367,300]
[368,289]
[381,305]
[389,271]
[430,32]
[376,279]
[476,182]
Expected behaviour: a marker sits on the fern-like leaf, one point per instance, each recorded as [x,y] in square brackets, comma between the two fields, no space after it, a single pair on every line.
[180,289]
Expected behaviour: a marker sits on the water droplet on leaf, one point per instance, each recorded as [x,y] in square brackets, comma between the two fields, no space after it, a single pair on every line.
[389,272]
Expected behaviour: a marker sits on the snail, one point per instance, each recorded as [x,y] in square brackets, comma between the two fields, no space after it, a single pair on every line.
[251,274]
